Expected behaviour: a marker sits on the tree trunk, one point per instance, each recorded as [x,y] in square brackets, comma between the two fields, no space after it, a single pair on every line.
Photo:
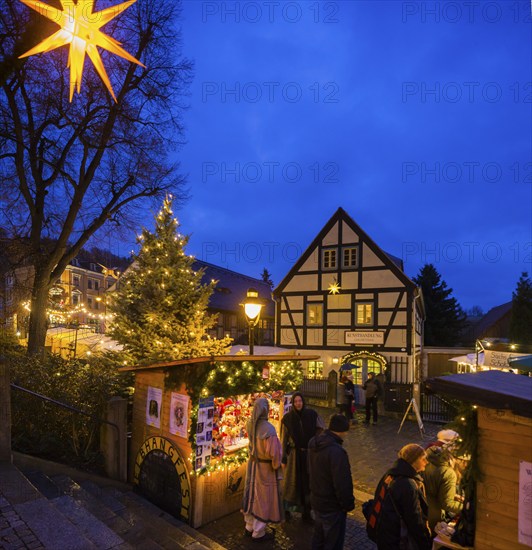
[38,315]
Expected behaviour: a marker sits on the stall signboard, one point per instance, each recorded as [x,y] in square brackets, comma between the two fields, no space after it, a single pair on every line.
[153,406]
[498,359]
[364,337]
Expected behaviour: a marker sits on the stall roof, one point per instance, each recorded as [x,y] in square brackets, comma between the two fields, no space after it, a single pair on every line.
[493,389]
[221,358]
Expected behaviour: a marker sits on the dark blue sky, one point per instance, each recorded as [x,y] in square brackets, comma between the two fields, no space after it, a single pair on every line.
[415,117]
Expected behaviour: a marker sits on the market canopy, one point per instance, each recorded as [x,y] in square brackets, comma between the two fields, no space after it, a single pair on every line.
[521,363]
[493,389]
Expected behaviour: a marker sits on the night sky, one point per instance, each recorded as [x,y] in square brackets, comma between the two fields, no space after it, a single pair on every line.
[415,117]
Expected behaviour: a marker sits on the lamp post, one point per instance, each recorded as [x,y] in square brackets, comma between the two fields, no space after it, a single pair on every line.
[252,308]
[478,348]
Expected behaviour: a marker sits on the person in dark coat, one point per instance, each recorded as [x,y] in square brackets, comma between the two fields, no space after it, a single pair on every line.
[441,485]
[297,428]
[373,390]
[331,485]
[349,396]
[405,510]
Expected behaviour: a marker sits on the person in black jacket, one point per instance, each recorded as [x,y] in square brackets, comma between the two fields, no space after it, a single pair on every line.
[349,396]
[297,428]
[331,486]
[372,391]
[404,510]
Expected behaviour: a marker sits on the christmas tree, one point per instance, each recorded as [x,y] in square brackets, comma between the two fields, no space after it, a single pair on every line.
[160,306]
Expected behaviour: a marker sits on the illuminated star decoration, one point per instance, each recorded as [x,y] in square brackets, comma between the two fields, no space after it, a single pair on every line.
[334,287]
[80,28]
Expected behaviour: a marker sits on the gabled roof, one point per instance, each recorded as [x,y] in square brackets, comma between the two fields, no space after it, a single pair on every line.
[394,264]
[494,315]
[232,288]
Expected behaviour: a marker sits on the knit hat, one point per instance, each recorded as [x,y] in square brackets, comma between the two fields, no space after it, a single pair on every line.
[338,423]
[448,436]
[411,452]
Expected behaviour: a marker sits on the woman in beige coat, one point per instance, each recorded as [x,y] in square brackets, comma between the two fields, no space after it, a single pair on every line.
[262,503]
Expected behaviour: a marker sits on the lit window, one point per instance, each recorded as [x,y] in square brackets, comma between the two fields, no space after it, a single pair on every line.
[314,314]
[350,257]
[329,258]
[364,314]
[315,369]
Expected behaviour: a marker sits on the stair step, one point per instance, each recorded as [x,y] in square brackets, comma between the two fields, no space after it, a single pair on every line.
[50,526]
[55,512]
[104,496]
[131,528]
[188,538]
[93,529]
[43,484]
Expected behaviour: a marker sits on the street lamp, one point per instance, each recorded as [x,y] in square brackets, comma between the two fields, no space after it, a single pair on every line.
[252,308]
[478,348]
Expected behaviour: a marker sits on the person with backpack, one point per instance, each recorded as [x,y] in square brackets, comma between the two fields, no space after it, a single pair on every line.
[397,518]
[373,390]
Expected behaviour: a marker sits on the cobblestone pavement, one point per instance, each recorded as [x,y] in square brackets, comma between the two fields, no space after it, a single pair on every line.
[372,449]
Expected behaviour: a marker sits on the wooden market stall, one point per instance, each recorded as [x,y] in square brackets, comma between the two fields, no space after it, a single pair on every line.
[188,449]
[503,403]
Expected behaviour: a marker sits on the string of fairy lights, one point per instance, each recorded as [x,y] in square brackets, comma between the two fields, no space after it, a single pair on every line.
[233,378]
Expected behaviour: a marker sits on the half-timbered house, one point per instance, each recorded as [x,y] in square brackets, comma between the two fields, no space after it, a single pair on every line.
[351,301]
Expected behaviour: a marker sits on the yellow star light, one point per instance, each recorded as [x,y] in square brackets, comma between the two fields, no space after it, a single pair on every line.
[80,28]
[334,287]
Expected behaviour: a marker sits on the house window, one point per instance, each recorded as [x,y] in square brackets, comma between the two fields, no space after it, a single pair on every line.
[89,284]
[75,299]
[89,301]
[350,257]
[315,369]
[314,314]
[364,314]
[76,280]
[96,285]
[329,258]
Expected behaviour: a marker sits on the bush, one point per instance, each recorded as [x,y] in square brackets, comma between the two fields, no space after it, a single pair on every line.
[47,430]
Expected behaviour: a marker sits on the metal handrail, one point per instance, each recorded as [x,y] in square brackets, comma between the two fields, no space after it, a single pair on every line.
[79,411]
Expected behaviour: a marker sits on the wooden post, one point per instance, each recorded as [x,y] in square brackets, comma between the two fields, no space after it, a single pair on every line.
[5,413]
[113,441]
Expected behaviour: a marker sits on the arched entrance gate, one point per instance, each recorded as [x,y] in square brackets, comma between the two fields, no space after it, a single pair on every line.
[365,361]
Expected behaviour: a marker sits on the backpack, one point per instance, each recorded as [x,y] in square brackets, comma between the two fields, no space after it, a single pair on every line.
[372,508]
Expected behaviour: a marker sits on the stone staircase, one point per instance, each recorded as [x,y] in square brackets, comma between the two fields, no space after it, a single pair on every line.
[53,511]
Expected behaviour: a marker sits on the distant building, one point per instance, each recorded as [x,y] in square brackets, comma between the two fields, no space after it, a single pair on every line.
[226,301]
[78,298]
[495,324]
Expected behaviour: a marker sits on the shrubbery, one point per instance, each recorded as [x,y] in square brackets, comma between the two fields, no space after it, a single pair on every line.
[44,429]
